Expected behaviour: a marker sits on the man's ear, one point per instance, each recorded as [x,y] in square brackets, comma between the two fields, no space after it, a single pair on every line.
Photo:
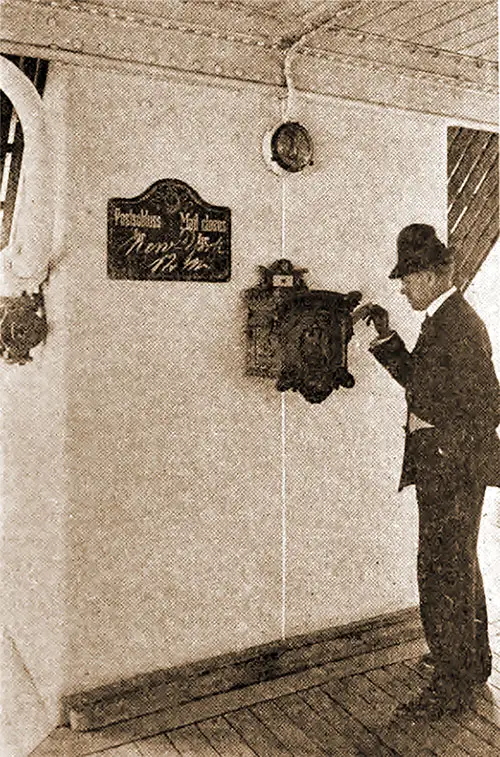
[431,277]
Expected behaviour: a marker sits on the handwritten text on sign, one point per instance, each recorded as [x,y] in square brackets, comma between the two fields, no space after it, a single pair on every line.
[168,233]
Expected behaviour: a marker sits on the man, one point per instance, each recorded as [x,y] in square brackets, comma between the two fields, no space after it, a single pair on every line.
[451,454]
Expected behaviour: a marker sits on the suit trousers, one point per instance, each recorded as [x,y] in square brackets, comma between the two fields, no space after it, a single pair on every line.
[452,601]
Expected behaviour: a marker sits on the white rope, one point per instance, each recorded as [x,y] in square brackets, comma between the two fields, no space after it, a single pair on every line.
[283,515]
[288,110]
[283,418]
[283,442]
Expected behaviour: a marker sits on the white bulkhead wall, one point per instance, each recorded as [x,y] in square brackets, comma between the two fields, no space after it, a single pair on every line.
[174,459]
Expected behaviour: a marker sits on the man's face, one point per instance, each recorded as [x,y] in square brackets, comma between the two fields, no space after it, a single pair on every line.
[418,288]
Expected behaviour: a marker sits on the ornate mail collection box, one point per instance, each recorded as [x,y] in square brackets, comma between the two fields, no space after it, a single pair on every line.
[299,336]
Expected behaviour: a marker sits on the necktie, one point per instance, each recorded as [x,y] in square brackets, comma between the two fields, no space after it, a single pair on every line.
[425,325]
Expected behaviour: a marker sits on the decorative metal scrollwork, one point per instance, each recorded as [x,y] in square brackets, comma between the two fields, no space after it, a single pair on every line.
[315,330]
[299,336]
[23,325]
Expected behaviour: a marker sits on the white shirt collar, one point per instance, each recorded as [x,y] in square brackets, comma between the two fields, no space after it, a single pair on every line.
[439,301]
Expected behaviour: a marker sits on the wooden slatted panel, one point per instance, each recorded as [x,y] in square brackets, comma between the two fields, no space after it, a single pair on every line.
[433,16]
[127,750]
[485,155]
[487,49]
[471,36]
[343,721]
[11,170]
[464,152]
[316,728]
[463,17]
[5,114]
[224,738]
[286,731]
[190,742]
[363,13]
[157,746]
[473,199]
[266,19]
[458,142]
[263,742]
[402,15]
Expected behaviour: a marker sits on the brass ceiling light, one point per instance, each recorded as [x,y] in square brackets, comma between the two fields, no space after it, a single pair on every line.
[288,147]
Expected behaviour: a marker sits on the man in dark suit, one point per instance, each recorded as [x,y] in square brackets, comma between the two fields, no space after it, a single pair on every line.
[451,454]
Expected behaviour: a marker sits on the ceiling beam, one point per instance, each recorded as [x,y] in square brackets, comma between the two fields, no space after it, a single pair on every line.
[336,61]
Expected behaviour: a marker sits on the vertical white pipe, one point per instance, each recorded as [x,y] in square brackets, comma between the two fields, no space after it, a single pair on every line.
[25,259]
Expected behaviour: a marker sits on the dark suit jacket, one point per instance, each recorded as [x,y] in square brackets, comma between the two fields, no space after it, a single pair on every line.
[450,382]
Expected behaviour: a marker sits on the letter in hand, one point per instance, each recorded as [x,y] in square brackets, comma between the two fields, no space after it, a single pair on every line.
[375,314]
[415,424]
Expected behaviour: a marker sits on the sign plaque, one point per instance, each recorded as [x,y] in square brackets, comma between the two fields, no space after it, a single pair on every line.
[168,233]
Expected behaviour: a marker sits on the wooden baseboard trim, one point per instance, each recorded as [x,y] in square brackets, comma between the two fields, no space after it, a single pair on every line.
[186,689]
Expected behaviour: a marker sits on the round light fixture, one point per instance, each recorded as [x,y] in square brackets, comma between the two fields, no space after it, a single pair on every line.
[288,147]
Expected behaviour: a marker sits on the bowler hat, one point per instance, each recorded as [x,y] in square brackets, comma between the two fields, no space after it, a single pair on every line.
[419,249]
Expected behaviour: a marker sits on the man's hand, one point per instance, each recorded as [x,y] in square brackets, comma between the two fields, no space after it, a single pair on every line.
[375,314]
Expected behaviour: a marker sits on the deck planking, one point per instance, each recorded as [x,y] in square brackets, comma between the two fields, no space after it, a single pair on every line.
[320,711]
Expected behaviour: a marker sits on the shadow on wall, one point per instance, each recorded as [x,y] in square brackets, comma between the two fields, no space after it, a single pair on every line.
[20,696]
[483,296]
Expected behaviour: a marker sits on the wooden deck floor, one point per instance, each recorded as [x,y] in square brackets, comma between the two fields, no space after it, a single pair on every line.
[318,715]
[345,717]
[318,712]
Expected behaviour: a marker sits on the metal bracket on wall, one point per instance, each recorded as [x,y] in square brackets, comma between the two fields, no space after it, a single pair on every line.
[23,325]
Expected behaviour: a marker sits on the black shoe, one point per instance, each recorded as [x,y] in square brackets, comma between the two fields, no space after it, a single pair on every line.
[417,707]
[449,704]
[426,661]
[440,698]
[484,670]
[480,673]
[479,678]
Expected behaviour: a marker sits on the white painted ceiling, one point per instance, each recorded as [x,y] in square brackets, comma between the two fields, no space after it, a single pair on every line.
[464,27]
[434,56]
